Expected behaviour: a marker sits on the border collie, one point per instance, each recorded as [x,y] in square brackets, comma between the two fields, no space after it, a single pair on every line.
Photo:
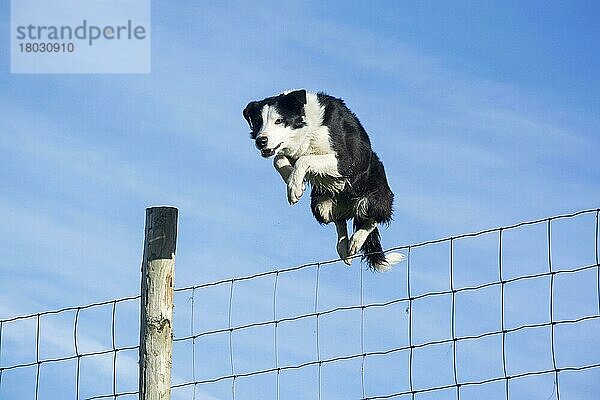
[316,138]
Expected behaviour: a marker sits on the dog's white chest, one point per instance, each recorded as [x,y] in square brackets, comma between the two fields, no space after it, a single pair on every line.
[320,141]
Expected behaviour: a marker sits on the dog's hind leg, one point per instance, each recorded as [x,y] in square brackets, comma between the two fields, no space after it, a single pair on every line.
[327,210]
[363,229]
[342,241]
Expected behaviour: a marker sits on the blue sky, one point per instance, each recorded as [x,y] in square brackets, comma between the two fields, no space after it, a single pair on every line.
[484,115]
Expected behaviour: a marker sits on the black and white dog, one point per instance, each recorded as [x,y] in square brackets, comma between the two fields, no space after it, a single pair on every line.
[316,138]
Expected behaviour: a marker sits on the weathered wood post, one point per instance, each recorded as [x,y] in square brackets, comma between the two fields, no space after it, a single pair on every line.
[156,316]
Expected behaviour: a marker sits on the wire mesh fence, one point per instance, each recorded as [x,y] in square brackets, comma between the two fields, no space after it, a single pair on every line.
[74,352]
[505,313]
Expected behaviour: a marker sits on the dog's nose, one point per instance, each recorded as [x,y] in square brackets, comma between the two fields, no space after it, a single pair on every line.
[261,142]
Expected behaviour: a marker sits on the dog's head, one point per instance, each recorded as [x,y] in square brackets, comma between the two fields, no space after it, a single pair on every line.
[275,120]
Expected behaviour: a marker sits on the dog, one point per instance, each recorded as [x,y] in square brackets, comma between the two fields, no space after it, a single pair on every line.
[315,138]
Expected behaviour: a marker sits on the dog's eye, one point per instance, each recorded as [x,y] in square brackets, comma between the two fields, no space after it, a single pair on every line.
[278,121]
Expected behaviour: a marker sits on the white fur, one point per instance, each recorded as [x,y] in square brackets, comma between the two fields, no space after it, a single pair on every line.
[325,208]
[318,134]
[390,260]
[295,189]
[361,206]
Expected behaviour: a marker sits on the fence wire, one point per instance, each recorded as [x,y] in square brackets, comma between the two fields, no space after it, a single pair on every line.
[77,354]
[457,385]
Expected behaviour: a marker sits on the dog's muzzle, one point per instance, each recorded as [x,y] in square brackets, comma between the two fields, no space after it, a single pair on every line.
[262,143]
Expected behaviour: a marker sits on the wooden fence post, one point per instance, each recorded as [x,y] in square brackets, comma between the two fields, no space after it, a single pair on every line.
[156,314]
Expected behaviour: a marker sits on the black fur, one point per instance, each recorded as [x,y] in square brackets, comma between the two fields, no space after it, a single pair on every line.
[356,160]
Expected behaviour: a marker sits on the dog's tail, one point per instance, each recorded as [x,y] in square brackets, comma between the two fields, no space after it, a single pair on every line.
[374,256]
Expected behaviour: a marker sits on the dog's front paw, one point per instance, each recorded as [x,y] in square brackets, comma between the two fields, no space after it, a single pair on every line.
[342,249]
[295,190]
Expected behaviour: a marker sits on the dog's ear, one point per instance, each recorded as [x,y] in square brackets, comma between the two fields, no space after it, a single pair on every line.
[298,95]
[249,108]
[294,101]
